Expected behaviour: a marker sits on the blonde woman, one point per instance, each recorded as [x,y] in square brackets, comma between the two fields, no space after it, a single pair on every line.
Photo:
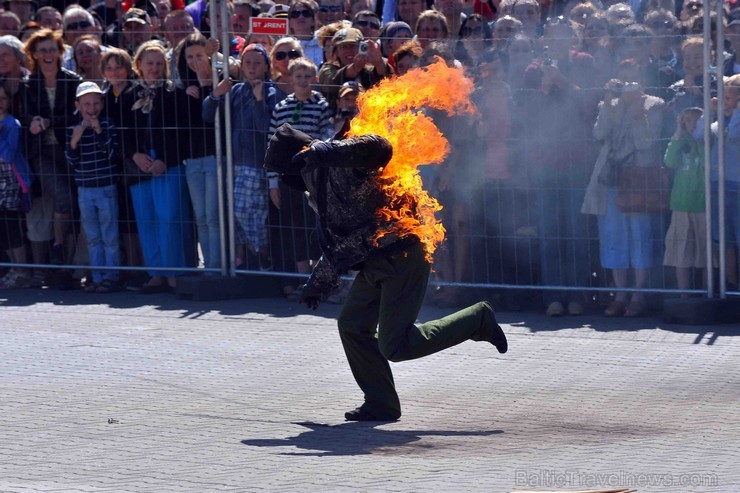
[284,50]
[157,182]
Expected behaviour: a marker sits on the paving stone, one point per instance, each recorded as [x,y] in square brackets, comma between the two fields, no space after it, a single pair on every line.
[106,393]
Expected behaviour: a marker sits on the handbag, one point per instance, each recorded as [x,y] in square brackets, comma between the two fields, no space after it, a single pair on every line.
[643,189]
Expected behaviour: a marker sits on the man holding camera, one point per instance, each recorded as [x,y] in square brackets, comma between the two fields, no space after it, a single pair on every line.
[356,59]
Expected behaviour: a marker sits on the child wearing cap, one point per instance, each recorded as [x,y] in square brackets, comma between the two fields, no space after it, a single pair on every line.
[91,152]
[346,106]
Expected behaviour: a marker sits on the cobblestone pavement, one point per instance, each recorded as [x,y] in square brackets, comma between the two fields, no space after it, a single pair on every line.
[103,393]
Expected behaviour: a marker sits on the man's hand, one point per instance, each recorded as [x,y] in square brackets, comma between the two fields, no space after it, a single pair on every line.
[309,297]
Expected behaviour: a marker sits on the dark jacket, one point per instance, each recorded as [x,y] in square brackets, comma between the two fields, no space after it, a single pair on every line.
[156,133]
[62,115]
[342,179]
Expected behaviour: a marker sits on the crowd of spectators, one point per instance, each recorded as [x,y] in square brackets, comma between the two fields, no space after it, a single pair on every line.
[109,154]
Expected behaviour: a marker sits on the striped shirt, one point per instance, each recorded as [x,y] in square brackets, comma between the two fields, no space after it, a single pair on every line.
[94,161]
[312,117]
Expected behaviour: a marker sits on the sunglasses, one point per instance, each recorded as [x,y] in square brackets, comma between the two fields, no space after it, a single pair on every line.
[330,8]
[305,13]
[694,6]
[79,25]
[370,24]
[282,55]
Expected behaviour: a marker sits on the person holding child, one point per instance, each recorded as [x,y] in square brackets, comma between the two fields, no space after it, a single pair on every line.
[92,152]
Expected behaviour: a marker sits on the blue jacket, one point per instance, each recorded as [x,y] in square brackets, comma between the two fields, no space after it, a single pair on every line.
[11,151]
[250,121]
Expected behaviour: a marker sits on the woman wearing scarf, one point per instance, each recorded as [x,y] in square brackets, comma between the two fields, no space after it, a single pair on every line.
[158,186]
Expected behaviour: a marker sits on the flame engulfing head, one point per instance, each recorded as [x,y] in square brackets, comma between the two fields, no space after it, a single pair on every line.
[392,109]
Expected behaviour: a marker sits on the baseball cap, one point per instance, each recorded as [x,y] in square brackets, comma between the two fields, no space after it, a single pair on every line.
[348,87]
[87,87]
[136,15]
[259,49]
[393,28]
[347,35]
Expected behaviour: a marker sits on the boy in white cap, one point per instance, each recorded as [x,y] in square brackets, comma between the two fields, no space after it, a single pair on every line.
[91,151]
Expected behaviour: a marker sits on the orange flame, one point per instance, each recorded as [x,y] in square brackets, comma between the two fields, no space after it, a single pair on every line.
[392,110]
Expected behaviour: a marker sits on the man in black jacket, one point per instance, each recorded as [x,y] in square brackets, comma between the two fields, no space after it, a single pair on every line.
[376,325]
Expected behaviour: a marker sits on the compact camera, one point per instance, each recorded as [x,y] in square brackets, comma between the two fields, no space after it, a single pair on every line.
[363,48]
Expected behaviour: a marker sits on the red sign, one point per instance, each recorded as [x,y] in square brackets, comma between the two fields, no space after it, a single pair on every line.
[268,25]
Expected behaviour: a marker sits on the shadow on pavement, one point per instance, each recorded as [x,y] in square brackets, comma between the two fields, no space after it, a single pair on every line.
[533,320]
[358,438]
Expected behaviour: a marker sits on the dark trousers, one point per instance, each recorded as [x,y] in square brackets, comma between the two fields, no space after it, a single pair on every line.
[377,324]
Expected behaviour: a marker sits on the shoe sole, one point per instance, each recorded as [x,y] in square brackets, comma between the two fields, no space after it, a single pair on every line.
[363,416]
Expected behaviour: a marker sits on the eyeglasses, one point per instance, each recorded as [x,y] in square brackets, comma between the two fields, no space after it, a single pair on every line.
[305,13]
[694,5]
[296,118]
[78,25]
[370,24]
[282,55]
[331,8]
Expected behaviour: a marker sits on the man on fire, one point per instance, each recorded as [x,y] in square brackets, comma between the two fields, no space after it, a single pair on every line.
[377,322]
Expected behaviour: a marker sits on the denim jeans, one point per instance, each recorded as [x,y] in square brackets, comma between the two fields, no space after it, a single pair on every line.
[202,177]
[162,208]
[99,218]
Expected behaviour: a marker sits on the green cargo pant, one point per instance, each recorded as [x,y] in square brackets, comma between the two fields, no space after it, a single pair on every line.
[386,296]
